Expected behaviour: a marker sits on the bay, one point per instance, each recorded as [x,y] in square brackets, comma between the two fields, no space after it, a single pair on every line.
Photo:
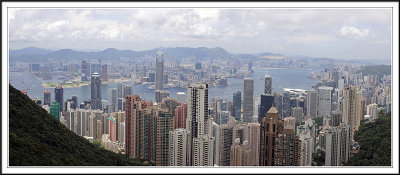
[281,78]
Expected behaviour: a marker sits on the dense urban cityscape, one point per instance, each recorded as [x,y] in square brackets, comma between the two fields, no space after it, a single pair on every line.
[177,87]
[274,129]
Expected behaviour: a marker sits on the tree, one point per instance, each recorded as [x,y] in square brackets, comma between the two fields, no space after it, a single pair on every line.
[374,139]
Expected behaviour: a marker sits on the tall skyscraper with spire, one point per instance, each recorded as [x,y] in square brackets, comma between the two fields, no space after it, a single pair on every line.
[159,71]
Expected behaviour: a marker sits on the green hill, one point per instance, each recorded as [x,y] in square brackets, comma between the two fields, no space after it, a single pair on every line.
[380,70]
[375,143]
[37,139]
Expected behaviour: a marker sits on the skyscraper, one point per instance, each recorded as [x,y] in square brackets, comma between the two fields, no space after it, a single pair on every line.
[112,97]
[59,96]
[200,125]
[69,117]
[237,105]
[312,103]
[286,104]
[95,66]
[253,138]
[224,141]
[267,101]
[297,113]
[127,90]
[248,100]
[324,101]
[179,147]
[287,150]
[221,111]
[104,75]
[240,154]
[74,99]
[278,101]
[159,70]
[140,128]
[337,142]
[180,116]
[95,100]
[47,98]
[197,118]
[164,125]
[270,128]
[203,148]
[307,147]
[120,104]
[84,70]
[55,110]
[268,85]
[119,91]
[352,113]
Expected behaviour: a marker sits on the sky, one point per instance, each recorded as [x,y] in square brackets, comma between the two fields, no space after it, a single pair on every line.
[362,33]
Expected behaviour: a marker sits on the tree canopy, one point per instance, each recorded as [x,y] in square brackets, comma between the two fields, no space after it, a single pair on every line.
[36,138]
[375,143]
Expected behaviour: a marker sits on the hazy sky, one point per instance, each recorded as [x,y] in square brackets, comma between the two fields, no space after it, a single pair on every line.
[334,33]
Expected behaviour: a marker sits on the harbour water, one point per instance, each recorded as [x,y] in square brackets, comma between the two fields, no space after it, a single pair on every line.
[281,78]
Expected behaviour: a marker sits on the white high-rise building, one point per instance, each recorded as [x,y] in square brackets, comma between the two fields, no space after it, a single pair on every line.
[179,148]
[203,151]
[324,101]
[122,134]
[372,110]
[308,127]
[337,142]
[307,148]
[200,126]
[197,110]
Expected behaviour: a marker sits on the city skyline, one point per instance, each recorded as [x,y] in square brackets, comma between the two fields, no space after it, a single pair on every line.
[307,32]
[241,86]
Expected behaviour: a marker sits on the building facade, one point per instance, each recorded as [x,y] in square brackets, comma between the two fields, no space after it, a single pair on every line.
[248,108]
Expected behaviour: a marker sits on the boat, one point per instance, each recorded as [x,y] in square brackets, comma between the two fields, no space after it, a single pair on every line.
[152,87]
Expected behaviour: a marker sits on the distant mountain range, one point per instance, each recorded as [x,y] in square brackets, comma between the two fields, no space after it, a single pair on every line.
[33,54]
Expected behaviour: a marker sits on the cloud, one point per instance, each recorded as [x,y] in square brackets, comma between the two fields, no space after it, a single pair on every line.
[311,38]
[235,29]
[353,32]
[56,25]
